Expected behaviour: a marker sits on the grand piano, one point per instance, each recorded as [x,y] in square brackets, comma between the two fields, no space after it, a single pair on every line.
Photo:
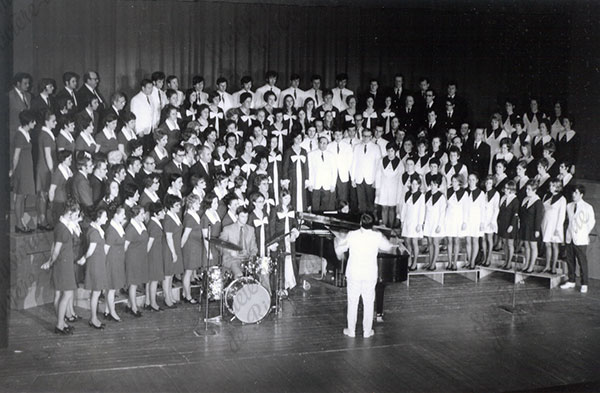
[318,229]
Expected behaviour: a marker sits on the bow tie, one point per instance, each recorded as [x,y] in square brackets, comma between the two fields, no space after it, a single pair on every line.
[247,168]
[270,201]
[280,133]
[373,115]
[213,115]
[189,112]
[248,118]
[261,222]
[273,158]
[238,134]
[298,157]
[289,117]
[349,118]
[282,215]
[388,114]
[222,162]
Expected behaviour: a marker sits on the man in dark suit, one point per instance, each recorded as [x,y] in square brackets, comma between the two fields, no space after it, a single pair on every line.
[409,115]
[81,189]
[176,166]
[460,104]
[433,127]
[19,99]
[240,234]
[480,154]
[134,164]
[203,168]
[373,92]
[118,101]
[89,90]
[98,179]
[44,100]
[398,93]
[449,118]
[69,91]
[90,113]
[419,95]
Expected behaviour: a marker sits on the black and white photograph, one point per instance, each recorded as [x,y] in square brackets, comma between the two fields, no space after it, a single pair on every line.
[299,196]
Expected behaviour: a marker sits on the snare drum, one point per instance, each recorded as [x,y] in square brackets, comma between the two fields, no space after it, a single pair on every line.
[249,301]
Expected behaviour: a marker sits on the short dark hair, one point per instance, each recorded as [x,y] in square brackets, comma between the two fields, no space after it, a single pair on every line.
[26,116]
[145,82]
[67,76]
[367,220]
[580,188]
[19,76]
[158,76]
[245,79]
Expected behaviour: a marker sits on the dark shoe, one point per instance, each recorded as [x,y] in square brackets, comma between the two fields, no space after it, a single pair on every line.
[155,309]
[136,314]
[100,327]
[190,300]
[72,318]
[63,332]
[453,268]
[22,230]
[171,306]
[412,268]
[431,268]
[43,228]
[109,317]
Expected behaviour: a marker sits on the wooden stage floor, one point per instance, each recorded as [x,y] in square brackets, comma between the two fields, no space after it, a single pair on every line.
[450,338]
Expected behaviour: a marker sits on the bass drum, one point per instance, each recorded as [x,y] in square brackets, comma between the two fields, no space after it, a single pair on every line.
[249,301]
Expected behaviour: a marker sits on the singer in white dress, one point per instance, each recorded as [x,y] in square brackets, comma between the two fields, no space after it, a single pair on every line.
[435,217]
[553,230]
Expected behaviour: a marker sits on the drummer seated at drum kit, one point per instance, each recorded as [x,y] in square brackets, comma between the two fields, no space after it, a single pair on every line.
[241,234]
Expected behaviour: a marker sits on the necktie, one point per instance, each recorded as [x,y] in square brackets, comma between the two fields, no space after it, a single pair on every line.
[341,96]
[365,149]
[311,145]
[98,97]
[295,96]
[74,98]
[323,157]
[148,99]
[338,148]
[159,99]
[316,98]
[575,209]
[243,243]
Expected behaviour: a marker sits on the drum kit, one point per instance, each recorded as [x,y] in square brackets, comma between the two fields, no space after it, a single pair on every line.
[245,298]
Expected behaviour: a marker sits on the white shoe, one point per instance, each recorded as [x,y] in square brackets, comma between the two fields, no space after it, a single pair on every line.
[379,318]
[583,289]
[348,333]
[568,285]
[369,334]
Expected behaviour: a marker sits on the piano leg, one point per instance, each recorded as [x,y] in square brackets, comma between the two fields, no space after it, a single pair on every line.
[379,292]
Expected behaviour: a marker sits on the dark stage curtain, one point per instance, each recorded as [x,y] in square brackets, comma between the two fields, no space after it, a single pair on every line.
[488,52]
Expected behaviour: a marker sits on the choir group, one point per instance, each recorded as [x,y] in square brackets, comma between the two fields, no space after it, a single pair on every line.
[133,188]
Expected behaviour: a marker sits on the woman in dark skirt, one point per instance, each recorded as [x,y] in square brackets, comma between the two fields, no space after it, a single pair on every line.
[211,228]
[508,221]
[22,168]
[95,261]
[136,256]
[150,193]
[172,255]
[62,263]
[46,164]
[531,214]
[192,244]
[115,261]
[156,243]
[57,194]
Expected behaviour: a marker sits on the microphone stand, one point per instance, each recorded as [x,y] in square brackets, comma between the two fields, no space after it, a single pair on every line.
[206,332]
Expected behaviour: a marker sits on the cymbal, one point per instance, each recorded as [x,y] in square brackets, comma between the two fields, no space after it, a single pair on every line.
[224,244]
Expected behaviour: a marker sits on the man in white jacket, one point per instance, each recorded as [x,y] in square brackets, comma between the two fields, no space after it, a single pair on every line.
[361,273]
[342,153]
[362,172]
[142,106]
[581,222]
[322,174]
